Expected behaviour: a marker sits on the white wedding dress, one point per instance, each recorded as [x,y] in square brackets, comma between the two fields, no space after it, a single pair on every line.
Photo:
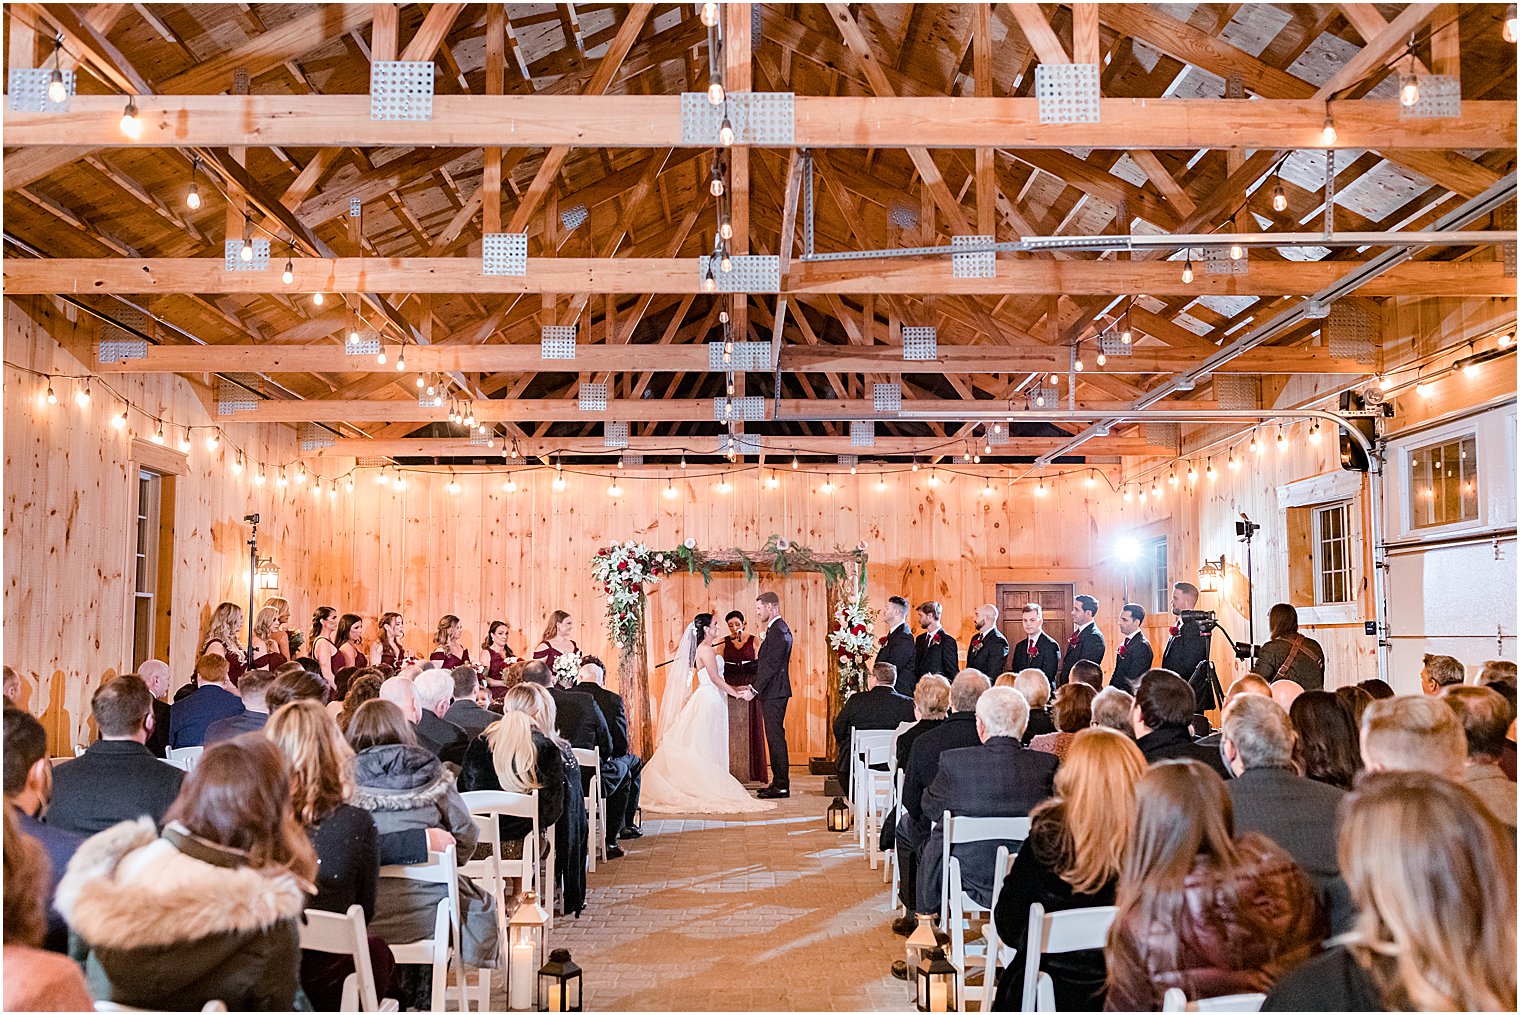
[689,771]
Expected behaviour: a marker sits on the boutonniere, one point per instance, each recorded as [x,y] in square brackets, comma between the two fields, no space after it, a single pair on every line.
[1074,639]
[976,640]
[1124,649]
[934,640]
[1175,629]
[883,639]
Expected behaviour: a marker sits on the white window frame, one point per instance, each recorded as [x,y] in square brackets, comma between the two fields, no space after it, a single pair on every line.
[1160,595]
[1349,542]
[1489,437]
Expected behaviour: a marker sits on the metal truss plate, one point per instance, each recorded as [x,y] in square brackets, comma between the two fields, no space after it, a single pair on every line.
[482,440]
[366,346]
[751,273]
[1237,391]
[615,434]
[371,462]
[233,253]
[904,216]
[1044,398]
[996,435]
[573,218]
[557,341]
[1112,345]
[886,398]
[1168,435]
[743,407]
[920,342]
[401,90]
[314,437]
[1067,92]
[28,88]
[862,433]
[1217,261]
[978,265]
[739,444]
[236,393]
[593,397]
[758,118]
[504,254]
[116,350]
[849,461]
[355,208]
[1351,334]
[1505,219]
[744,356]
[632,459]
[1440,96]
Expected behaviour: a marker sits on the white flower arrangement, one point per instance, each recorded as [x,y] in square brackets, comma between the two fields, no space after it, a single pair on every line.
[623,570]
[567,668]
[852,640]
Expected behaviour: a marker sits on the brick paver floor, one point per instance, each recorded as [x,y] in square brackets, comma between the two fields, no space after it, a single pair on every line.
[750,912]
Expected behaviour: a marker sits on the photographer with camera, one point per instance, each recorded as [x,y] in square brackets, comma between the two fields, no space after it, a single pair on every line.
[1290,655]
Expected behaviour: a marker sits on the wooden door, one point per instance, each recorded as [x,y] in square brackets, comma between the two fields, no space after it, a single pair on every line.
[1054,598]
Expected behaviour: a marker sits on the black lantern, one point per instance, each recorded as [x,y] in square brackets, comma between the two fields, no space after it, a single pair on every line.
[935,979]
[559,983]
[839,816]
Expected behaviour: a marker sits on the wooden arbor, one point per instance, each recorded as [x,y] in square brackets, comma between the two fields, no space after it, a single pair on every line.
[844,578]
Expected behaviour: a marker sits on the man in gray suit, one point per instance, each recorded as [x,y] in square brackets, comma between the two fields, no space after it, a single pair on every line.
[773,686]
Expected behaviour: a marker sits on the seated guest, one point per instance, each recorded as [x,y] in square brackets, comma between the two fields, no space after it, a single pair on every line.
[879,707]
[1285,692]
[1270,797]
[116,778]
[1484,716]
[1071,860]
[1135,654]
[464,711]
[28,784]
[1250,683]
[1001,778]
[210,909]
[402,692]
[215,698]
[12,686]
[570,831]
[1356,699]
[1035,688]
[295,684]
[988,651]
[1163,708]
[349,852]
[1110,709]
[1506,689]
[1379,689]
[255,711]
[1412,733]
[579,722]
[405,787]
[931,703]
[1441,672]
[1089,672]
[514,755]
[621,769]
[35,979]
[1433,881]
[1200,908]
[958,730]
[155,673]
[1497,669]
[1290,655]
[364,687]
[435,691]
[1326,747]
[1072,712]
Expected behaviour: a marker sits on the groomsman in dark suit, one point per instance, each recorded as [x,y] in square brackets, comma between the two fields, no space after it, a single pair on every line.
[1086,641]
[1187,646]
[1135,654]
[934,651]
[897,646]
[988,650]
[1036,650]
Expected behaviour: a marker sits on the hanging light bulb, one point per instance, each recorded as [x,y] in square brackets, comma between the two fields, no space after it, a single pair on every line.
[245,253]
[288,275]
[1505,339]
[1384,382]
[453,485]
[726,133]
[1089,481]
[237,465]
[1423,389]
[1327,133]
[1279,197]
[987,490]
[348,485]
[82,395]
[966,456]
[58,91]
[399,482]
[1129,495]
[1192,473]
[934,478]
[1039,398]
[1282,442]
[715,185]
[193,196]
[184,440]
[1142,495]
[1511,30]
[709,14]
[421,382]
[317,298]
[725,263]
[1039,491]
[1171,479]
[1102,358]
[380,356]
[723,318]
[915,465]
[726,230]
[131,126]
[120,422]
[827,487]
[1155,490]
[709,283]
[1314,434]
[715,93]
[1187,271]
[316,489]
[400,358]
[280,480]
[1209,471]
[1409,90]
[1125,336]
[559,474]
[1255,445]
[1233,463]
[1237,251]
[212,440]
[158,434]
[300,476]
[258,477]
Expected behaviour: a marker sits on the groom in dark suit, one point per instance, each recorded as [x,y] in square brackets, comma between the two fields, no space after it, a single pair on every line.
[773,686]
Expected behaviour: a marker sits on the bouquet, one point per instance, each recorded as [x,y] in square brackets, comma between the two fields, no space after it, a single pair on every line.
[852,640]
[566,668]
[622,570]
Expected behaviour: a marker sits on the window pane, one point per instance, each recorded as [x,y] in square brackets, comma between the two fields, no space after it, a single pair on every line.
[1443,483]
[1332,554]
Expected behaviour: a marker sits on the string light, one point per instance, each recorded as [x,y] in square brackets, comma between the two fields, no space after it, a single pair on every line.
[1237,251]
[1424,389]
[1282,442]
[1129,495]
[715,93]
[915,465]
[670,490]
[348,485]
[726,230]
[723,485]
[193,195]
[51,397]
[57,90]
[1328,133]
[380,356]
[82,395]
[120,422]
[280,480]
[1279,196]
[1255,445]
[881,484]
[158,434]
[827,487]
[1055,378]
[300,477]
[1171,478]
[726,133]
[715,187]
[258,477]
[709,14]
[1511,30]
[987,490]
[1234,463]
[1102,357]
[1384,382]
[245,253]
[1314,433]
[289,274]
[794,463]
[131,126]
[422,383]
[452,486]
[510,485]
[317,298]
[1155,490]
[1505,340]
[1192,473]
[401,362]
[1187,272]
[1039,491]
[400,481]
[725,263]
[934,478]
[212,440]
[184,440]
[1409,85]
[559,474]
[709,282]
[1209,471]
[1090,481]
[1142,495]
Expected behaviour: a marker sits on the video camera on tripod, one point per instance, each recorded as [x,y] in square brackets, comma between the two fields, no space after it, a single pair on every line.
[1207,621]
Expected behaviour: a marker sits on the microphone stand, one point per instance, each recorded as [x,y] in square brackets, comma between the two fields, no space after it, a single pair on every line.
[253,576]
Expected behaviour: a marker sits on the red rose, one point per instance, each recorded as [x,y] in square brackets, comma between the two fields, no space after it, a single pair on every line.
[622,565]
[883,640]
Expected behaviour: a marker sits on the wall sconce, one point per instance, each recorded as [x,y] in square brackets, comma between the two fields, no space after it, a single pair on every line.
[267,575]
[1211,575]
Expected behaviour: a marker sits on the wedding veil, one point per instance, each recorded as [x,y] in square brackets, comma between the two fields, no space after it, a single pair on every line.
[678,679]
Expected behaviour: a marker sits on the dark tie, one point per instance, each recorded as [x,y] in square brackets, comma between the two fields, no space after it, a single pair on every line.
[1032,649]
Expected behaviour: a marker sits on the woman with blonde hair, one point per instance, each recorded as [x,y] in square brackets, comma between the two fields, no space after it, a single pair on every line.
[1076,847]
[224,638]
[448,644]
[515,755]
[266,647]
[570,830]
[287,638]
[1432,875]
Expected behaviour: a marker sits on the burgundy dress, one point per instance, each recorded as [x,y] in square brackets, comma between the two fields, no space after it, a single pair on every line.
[449,659]
[738,677]
[348,656]
[394,658]
[494,674]
[237,659]
[549,653]
[271,660]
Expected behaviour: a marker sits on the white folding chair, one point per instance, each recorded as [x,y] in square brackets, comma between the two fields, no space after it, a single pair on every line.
[345,934]
[487,807]
[442,946]
[1175,1000]
[998,954]
[861,784]
[957,909]
[877,794]
[896,874]
[596,811]
[184,757]
[1070,930]
[546,876]
[894,806]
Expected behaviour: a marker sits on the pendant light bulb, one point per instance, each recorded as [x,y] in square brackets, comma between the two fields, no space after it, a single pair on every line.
[1187,272]
[131,126]
[1279,198]
[52,396]
[1237,251]
[1511,28]
[1409,90]
[245,253]
[318,299]
[726,133]
[1126,337]
[726,230]
[709,14]
[716,186]
[380,357]
[57,90]
[120,422]
[715,93]
[1327,133]
[1102,359]
[193,196]
[82,395]
[289,274]
[401,359]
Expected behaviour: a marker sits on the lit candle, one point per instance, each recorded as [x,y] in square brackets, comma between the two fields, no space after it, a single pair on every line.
[556,996]
[937,991]
[520,974]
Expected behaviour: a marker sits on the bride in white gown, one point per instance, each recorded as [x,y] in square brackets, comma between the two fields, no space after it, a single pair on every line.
[689,771]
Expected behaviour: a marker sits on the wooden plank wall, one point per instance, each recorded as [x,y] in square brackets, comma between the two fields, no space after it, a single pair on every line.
[69,493]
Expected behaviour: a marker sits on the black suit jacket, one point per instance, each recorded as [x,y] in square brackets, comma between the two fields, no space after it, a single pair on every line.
[988,652]
[1303,817]
[470,717]
[1130,663]
[112,781]
[1090,646]
[899,651]
[158,740]
[1047,656]
[957,730]
[611,705]
[1185,650]
[942,657]
[773,663]
[998,779]
[1176,742]
[442,738]
[876,708]
[580,721]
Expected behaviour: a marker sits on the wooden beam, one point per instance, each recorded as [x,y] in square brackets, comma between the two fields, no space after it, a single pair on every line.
[433,30]
[1377,50]
[1086,45]
[895,276]
[1164,181]
[653,121]
[271,49]
[1036,29]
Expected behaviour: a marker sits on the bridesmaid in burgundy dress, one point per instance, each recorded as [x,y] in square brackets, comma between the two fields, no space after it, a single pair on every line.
[498,655]
[739,653]
[222,636]
[279,636]
[350,652]
[324,627]
[449,648]
[557,640]
[266,646]
[388,650]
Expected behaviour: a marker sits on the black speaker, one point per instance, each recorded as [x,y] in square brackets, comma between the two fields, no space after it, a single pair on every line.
[1353,458]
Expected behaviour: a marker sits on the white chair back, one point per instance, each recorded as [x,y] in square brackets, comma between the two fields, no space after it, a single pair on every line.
[443,945]
[1070,930]
[1175,1000]
[957,909]
[596,833]
[862,744]
[184,757]
[346,934]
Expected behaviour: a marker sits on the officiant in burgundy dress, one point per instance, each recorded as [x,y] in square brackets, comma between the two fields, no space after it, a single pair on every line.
[739,651]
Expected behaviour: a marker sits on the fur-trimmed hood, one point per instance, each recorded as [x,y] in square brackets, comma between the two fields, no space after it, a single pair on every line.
[127,888]
[396,777]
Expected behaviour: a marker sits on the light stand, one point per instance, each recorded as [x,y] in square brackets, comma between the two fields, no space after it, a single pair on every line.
[1245,529]
[253,576]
